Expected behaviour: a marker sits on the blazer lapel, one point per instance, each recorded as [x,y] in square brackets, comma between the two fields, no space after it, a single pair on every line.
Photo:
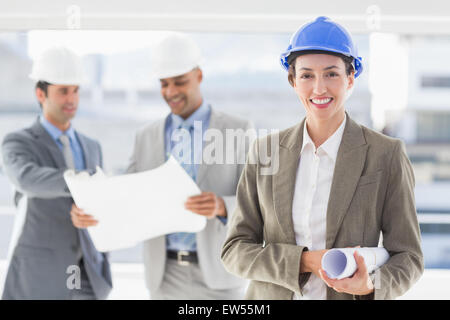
[283,182]
[349,166]
[152,151]
[47,141]
[159,152]
[90,162]
[214,123]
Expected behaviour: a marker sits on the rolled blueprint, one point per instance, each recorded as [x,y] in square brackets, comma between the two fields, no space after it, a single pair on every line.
[340,263]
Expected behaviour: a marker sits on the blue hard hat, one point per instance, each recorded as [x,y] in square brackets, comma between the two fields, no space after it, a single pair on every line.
[324,35]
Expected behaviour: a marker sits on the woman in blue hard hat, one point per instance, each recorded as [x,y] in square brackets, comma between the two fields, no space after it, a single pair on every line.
[336,184]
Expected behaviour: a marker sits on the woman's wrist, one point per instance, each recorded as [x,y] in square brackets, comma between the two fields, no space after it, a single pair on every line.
[305,262]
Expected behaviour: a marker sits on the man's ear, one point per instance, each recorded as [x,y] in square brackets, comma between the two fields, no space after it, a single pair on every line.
[40,95]
[200,75]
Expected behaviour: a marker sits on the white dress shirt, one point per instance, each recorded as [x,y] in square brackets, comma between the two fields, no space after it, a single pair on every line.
[310,203]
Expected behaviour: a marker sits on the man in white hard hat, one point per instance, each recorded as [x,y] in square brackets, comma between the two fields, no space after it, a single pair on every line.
[187,265]
[49,257]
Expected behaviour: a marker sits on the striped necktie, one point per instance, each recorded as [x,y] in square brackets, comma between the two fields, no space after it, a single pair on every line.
[67,151]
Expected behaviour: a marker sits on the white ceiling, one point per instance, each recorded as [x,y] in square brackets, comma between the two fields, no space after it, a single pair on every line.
[359,16]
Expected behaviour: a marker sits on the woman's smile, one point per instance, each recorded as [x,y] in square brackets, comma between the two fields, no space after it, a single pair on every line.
[321,103]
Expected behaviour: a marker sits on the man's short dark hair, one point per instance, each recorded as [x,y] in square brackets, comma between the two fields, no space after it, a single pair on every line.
[348,61]
[43,85]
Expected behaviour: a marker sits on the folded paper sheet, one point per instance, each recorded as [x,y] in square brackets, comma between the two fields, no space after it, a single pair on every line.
[340,263]
[134,207]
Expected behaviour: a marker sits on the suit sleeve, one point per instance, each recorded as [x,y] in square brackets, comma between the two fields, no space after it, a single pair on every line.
[401,233]
[100,155]
[27,175]
[244,253]
[132,164]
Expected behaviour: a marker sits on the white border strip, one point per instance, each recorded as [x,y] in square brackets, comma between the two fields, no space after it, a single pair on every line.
[212,22]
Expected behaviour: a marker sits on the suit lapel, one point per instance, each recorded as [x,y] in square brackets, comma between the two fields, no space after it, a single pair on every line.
[44,138]
[159,152]
[349,166]
[214,123]
[152,150]
[283,182]
[89,161]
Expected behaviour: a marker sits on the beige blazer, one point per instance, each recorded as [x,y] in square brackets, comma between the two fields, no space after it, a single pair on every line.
[372,192]
[222,179]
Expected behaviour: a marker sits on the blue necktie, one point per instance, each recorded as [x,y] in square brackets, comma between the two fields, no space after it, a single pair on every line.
[185,240]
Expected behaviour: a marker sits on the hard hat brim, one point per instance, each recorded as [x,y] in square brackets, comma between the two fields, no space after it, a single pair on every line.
[285,55]
[66,82]
[164,74]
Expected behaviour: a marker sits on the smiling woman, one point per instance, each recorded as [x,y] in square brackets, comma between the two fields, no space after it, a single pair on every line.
[285,223]
[321,84]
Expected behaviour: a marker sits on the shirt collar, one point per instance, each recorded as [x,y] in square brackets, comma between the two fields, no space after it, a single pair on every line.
[331,145]
[306,139]
[54,132]
[201,114]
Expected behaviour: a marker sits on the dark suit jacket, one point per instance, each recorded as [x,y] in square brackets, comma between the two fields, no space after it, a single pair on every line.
[47,242]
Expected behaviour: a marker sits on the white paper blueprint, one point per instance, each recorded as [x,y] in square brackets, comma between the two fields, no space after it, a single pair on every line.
[340,263]
[135,207]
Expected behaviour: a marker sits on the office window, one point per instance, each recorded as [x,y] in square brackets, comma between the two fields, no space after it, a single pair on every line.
[435,82]
[433,127]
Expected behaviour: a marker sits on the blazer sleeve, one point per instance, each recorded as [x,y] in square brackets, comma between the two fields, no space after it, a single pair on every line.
[100,154]
[132,164]
[26,174]
[244,253]
[401,232]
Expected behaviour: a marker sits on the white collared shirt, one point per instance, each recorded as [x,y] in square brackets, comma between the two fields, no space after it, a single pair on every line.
[310,203]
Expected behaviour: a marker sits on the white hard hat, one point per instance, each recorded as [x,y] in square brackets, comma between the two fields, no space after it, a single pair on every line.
[58,65]
[175,55]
